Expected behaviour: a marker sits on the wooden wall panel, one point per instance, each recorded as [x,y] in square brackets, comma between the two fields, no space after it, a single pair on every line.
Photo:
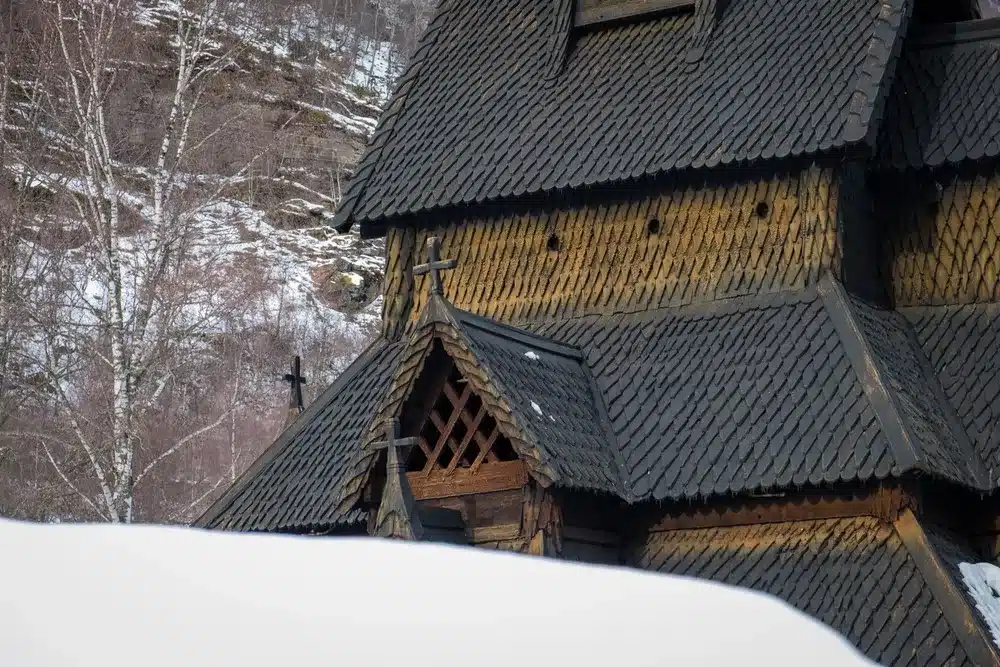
[943,238]
[737,235]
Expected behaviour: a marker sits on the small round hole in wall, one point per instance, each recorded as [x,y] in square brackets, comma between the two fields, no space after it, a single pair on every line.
[653,226]
[553,243]
[762,209]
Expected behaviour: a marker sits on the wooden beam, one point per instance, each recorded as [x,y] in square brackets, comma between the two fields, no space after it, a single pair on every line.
[885,504]
[596,12]
[498,533]
[500,476]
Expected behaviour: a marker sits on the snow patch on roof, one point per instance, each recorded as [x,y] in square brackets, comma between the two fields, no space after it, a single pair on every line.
[983,583]
[537,408]
[531,354]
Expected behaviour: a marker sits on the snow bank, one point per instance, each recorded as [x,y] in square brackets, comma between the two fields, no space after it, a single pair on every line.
[983,582]
[111,595]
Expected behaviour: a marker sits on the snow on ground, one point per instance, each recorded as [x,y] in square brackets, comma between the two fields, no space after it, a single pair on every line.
[983,583]
[113,596]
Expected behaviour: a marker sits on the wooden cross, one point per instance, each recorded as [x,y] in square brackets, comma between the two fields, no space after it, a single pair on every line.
[435,265]
[392,443]
[295,380]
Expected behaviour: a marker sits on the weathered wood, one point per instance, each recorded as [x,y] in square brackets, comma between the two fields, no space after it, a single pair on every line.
[491,477]
[591,13]
[542,515]
[496,533]
[445,435]
[885,504]
[717,236]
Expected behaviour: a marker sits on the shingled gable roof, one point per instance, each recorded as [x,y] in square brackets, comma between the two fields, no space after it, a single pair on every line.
[478,117]
[891,589]
[769,392]
[943,104]
[539,392]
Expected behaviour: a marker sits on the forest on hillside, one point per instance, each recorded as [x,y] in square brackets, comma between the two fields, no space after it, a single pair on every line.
[167,169]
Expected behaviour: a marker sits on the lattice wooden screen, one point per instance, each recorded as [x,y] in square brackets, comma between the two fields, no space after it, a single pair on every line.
[459,434]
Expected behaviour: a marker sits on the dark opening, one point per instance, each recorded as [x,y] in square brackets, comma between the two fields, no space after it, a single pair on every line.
[653,226]
[930,12]
[762,209]
[553,243]
[933,207]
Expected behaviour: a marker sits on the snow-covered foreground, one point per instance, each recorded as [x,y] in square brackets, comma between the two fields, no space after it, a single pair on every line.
[142,595]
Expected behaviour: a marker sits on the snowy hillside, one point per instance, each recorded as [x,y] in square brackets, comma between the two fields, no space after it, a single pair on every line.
[167,172]
[178,596]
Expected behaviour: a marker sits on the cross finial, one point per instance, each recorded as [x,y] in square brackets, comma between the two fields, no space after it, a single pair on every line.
[393,443]
[295,380]
[435,265]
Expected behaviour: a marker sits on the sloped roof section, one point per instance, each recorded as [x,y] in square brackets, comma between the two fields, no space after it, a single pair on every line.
[943,104]
[856,575]
[963,346]
[480,118]
[746,396]
[766,392]
[930,425]
[553,395]
[296,484]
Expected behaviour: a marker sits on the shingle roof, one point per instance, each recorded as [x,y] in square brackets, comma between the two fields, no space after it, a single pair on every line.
[943,104]
[295,485]
[765,392]
[538,391]
[963,346]
[855,575]
[477,117]
[552,393]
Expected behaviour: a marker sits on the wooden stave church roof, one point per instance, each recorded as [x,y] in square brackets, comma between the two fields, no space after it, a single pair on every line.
[942,107]
[482,111]
[830,390]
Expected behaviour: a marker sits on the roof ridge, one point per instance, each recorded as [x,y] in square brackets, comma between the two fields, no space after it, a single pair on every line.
[954,605]
[513,333]
[344,217]
[285,438]
[870,373]
[873,82]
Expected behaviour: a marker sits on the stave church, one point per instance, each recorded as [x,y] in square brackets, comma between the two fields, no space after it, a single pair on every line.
[705,287]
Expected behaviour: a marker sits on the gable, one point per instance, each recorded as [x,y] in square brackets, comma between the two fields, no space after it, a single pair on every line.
[461,450]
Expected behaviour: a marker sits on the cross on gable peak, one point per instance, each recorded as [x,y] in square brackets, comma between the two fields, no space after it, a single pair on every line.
[435,265]
[295,380]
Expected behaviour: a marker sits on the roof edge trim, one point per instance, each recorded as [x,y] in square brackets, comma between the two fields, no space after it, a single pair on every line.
[954,605]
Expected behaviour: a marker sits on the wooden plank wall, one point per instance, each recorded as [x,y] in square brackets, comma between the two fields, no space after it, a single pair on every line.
[643,248]
[944,236]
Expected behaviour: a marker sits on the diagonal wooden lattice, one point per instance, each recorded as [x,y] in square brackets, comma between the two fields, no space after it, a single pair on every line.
[458,434]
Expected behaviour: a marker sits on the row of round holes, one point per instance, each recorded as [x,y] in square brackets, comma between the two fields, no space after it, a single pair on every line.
[653,226]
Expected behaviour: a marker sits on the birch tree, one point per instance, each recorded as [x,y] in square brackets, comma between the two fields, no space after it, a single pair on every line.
[126,302]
